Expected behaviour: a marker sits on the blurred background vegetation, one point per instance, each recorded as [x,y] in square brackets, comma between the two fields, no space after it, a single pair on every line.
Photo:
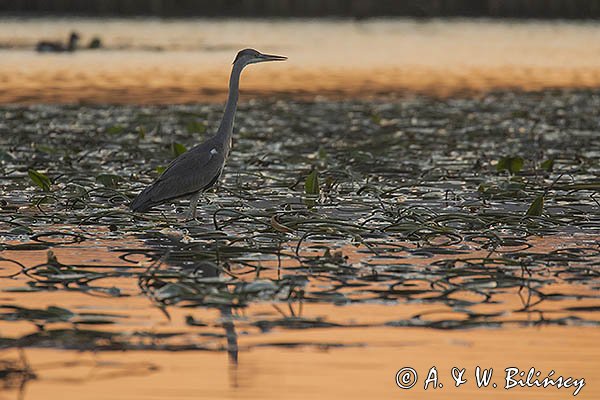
[581,9]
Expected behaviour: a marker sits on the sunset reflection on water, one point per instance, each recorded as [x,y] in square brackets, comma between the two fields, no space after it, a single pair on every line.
[359,357]
[154,61]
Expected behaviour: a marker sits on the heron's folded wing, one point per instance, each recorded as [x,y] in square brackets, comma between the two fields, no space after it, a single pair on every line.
[191,172]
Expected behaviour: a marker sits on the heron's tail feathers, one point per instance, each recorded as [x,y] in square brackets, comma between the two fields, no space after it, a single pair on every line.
[143,202]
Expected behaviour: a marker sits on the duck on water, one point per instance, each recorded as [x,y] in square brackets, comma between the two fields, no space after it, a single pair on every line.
[58,47]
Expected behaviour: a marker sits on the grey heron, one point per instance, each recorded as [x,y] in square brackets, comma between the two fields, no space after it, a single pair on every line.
[199,168]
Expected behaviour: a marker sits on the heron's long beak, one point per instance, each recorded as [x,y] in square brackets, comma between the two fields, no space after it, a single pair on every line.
[271,57]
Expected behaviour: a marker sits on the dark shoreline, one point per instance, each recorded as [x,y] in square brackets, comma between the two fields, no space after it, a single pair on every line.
[551,9]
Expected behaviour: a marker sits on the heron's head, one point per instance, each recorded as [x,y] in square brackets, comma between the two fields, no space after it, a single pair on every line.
[251,56]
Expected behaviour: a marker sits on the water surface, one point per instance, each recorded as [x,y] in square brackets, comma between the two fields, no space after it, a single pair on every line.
[188,60]
[419,249]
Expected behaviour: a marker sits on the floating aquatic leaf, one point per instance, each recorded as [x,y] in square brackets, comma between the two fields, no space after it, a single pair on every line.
[22,289]
[115,130]
[279,227]
[50,314]
[595,186]
[195,127]
[46,149]
[548,165]
[39,179]
[537,207]
[322,153]
[520,113]
[311,185]
[109,180]
[191,321]
[376,118]
[178,149]
[27,246]
[58,312]
[141,132]
[21,230]
[511,164]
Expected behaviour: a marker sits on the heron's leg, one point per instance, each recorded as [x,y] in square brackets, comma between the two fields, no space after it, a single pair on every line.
[191,212]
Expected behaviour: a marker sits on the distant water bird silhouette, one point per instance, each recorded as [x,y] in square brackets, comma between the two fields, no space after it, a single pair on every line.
[95,43]
[200,168]
[58,47]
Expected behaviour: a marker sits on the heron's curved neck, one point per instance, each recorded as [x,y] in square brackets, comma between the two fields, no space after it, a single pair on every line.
[226,127]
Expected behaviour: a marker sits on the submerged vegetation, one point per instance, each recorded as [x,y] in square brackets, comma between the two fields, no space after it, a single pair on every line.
[457,203]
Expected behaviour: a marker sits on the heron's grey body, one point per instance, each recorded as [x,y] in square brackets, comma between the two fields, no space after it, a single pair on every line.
[198,169]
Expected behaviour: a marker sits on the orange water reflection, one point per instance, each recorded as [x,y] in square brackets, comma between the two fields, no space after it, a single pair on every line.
[356,359]
[346,373]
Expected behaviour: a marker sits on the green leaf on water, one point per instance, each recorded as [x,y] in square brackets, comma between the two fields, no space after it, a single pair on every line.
[548,165]
[376,118]
[39,179]
[45,149]
[520,114]
[195,127]
[115,129]
[579,186]
[21,230]
[109,180]
[510,164]
[322,153]
[178,149]
[21,289]
[311,185]
[536,208]
[484,187]
[57,313]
